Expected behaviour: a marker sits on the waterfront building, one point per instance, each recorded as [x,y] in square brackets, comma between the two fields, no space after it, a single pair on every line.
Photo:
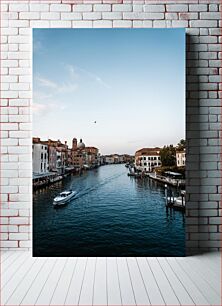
[181,158]
[118,159]
[128,158]
[102,160]
[61,159]
[147,159]
[39,157]
[83,156]
[52,158]
[109,159]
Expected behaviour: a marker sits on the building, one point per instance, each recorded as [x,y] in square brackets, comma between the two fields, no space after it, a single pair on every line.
[109,159]
[52,155]
[147,159]
[181,158]
[83,156]
[39,157]
[118,159]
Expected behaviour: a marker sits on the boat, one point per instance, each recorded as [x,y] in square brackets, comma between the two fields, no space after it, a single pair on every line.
[64,197]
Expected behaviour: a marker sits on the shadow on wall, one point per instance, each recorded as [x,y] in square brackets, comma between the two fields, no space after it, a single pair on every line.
[193,193]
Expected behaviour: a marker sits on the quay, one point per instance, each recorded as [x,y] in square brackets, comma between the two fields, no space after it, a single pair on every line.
[49,178]
[171,178]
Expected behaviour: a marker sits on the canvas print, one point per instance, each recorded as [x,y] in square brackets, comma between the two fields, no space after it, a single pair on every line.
[109,146]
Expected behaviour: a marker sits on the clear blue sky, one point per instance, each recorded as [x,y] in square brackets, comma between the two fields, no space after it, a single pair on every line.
[130,81]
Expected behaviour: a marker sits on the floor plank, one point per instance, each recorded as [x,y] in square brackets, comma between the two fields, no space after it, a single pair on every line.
[47,292]
[190,286]
[208,292]
[139,288]
[126,289]
[181,293]
[17,278]
[166,288]
[12,270]
[213,279]
[211,260]
[100,284]
[35,289]
[10,261]
[20,291]
[193,280]
[152,287]
[86,295]
[73,293]
[62,287]
[113,286]
[5,255]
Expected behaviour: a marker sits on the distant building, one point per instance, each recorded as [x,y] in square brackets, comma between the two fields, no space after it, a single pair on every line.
[109,159]
[118,159]
[83,156]
[102,160]
[147,159]
[128,158]
[39,157]
[181,158]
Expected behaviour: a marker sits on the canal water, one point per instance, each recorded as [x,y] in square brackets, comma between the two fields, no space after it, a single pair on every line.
[113,215]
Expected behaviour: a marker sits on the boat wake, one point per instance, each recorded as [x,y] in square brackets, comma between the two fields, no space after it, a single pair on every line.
[84,191]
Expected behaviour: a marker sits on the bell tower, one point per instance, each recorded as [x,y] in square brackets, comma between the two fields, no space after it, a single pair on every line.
[74,144]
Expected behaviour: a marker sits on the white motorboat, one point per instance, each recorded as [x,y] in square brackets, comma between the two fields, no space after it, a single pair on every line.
[64,197]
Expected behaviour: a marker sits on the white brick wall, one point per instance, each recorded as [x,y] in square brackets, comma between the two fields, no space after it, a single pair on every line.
[201,20]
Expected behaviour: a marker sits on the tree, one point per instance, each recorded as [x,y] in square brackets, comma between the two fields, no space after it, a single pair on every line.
[168,156]
[181,145]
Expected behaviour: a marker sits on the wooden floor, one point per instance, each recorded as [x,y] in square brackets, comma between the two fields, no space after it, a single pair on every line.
[110,281]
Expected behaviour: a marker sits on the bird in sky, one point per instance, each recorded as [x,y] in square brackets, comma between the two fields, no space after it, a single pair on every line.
[94,121]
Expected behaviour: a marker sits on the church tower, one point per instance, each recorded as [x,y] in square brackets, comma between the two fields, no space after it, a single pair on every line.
[74,144]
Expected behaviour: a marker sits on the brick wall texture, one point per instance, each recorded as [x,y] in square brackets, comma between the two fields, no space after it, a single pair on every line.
[201,18]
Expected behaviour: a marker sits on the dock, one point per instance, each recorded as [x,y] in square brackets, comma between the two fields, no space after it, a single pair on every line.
[167,180]
[178,202]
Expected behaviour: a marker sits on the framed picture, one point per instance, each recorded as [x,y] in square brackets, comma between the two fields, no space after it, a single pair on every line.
[109,145]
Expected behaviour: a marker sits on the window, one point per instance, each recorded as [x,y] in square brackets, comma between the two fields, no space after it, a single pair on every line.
[154,158]
[145,164]
[41,155]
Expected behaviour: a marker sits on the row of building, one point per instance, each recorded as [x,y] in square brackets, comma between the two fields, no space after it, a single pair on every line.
[116,159]
[55,156]
[147,159]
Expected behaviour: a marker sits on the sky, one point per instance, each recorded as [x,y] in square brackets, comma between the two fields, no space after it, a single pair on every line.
[130,81]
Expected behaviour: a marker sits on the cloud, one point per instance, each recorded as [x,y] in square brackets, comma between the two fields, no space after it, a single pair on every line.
[39,95]
[56,88]
[67,87]
[46,82]
[95,77]
[75,71]
[44,109]
[38,108]
[72,71]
